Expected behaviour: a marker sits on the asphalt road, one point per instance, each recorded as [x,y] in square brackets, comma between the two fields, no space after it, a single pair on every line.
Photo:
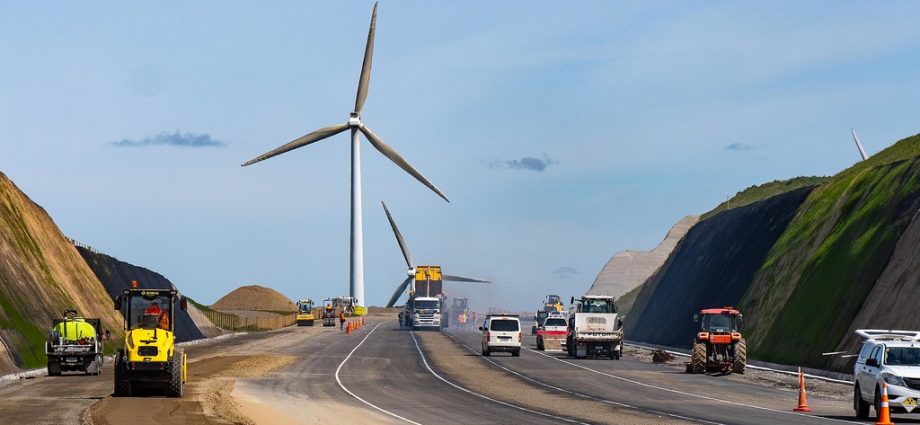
[662,389]
[387,371]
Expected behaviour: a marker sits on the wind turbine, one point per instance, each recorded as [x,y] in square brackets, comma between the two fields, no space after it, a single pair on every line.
[356,125]
[408,257]
[862,152]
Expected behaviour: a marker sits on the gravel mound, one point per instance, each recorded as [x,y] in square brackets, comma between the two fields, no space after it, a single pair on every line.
[254,297]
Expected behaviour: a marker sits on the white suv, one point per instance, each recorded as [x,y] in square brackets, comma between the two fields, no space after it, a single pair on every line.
[501,333]
[891,357]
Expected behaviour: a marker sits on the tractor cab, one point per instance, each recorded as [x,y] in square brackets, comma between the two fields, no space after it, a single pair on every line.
[724,320]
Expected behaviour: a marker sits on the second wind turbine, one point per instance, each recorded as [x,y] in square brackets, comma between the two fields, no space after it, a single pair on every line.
[356,125]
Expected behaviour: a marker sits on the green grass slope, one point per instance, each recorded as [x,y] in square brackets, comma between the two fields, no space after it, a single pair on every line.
[821,269]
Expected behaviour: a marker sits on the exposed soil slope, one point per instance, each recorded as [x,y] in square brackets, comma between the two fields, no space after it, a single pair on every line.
[41,275]
[116,276]
[712,266]
[628,269]
[253,298]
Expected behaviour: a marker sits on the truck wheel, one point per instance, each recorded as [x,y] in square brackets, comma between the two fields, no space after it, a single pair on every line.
[540,345]
[485,352]
[740,359]
[859,405]
[174,387]
[54,367]
[516,353]
[698,358]
[122,385]
[878,402]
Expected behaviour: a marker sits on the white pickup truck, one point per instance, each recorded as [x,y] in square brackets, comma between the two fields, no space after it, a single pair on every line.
[594,328]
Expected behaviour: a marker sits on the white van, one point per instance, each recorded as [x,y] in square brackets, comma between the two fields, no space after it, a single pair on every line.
[501,332]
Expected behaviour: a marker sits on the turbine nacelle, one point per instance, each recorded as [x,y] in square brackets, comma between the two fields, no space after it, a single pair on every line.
[354,120]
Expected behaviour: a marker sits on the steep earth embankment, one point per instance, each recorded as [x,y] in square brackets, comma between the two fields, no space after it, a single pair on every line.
[116,276]
[712,266]
[41,275]
[847,259]
[628,269]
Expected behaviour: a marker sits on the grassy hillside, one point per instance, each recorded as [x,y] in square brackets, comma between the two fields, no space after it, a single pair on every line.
[41,275]
[819,272]
[764,191]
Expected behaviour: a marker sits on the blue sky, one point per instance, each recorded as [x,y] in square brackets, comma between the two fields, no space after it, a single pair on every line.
[562,132]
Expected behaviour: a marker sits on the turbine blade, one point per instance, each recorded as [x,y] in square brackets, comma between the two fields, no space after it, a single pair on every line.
[388,152]
[452,278]
[399,238]
[399,291]
[862,152]
[365,80]
[315,136]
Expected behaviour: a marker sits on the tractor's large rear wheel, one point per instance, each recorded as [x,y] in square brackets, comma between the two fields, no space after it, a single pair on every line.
[174,387]
[740,360]
[698,358]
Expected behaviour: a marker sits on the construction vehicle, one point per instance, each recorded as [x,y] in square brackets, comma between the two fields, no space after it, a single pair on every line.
[553,303]
[538,320]
[552,333]
[459,313]
[74,345]
[346,304]
[328,313]
[594,328]
[305,312]
[719,345]
[149,356]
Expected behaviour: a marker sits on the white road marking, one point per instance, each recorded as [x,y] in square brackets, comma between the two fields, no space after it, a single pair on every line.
[524,409]
[578,394]
[718,400]
[337,379]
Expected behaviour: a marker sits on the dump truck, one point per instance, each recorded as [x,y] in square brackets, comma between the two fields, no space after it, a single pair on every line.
[594,328]
[718,345]
[149,357]
[74,344]
[305,312]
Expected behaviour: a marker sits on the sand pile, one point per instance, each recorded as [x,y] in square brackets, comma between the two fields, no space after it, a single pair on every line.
[254,297]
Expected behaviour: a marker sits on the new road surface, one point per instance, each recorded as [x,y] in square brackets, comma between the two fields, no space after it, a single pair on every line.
[383,374]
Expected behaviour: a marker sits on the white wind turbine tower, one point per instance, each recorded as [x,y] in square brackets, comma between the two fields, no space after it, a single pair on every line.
[356,125]
[862,152]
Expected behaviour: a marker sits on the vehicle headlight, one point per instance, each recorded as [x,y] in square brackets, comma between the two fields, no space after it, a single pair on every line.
[892,379]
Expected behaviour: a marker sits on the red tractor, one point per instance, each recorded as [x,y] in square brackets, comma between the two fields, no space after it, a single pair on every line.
[718,346]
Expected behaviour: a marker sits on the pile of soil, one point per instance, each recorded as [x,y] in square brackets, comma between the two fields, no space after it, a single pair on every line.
[254,297]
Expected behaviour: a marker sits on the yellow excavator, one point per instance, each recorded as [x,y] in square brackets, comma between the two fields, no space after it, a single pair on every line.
[149,356]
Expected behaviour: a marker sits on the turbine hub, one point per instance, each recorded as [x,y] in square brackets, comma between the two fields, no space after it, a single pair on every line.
[411,272]
[354,120]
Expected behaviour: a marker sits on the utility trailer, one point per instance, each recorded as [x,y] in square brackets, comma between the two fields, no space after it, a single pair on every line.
[74,345]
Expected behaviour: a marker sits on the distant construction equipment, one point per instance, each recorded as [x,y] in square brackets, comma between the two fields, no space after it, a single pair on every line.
[74,344]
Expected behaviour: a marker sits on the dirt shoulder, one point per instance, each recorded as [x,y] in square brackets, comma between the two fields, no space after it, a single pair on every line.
[469,371]
[208,398]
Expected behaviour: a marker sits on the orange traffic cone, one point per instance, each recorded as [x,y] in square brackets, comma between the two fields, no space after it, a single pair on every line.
[803,401]
[884,415]
[347,328]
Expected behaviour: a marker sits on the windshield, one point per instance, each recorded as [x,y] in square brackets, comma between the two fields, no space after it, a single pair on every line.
[555,322]
[718,323]
[305,308]
[598,306]
[150,311]
[426,304]
[902,356]
[504,325]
